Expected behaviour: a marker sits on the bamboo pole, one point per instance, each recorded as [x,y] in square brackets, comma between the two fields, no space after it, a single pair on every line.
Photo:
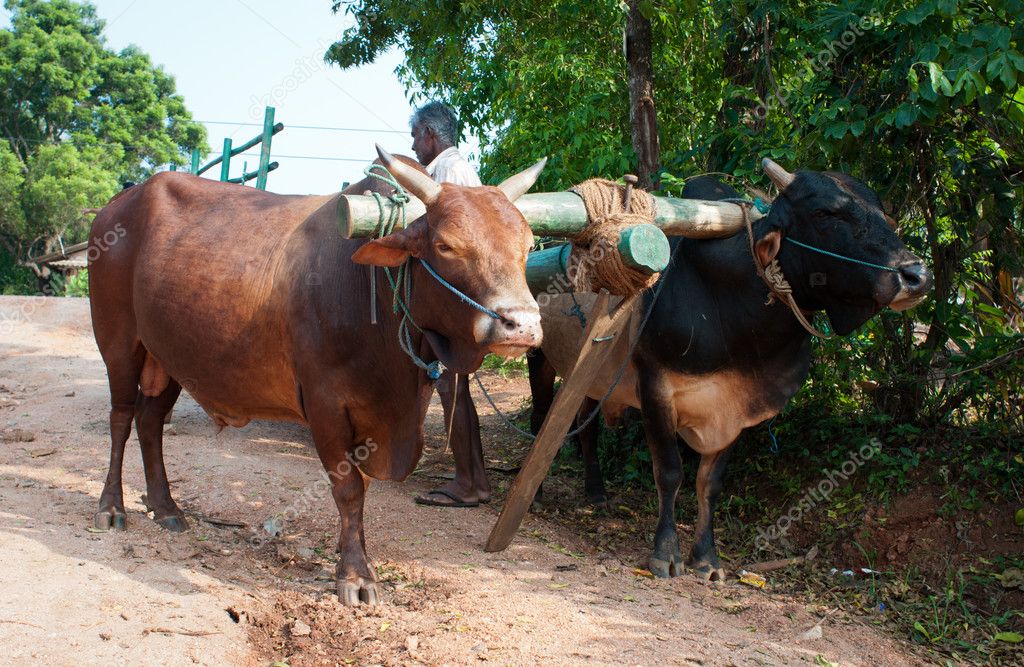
[562,215]
[269,130]
[225,161]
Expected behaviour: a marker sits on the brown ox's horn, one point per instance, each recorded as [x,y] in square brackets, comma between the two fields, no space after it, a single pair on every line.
[417,183]
[516,186]
[780,177]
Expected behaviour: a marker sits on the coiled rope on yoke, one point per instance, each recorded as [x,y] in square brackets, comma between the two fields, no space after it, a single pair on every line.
[595,262]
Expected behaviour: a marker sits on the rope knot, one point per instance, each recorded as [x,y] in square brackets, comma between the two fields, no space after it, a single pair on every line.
[595,262]
[777,283]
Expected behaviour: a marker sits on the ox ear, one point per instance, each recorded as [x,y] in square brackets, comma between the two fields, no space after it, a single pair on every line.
[395,248]
[768,247]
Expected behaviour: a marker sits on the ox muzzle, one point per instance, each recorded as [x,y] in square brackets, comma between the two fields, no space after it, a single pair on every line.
[514,332]
[915,281]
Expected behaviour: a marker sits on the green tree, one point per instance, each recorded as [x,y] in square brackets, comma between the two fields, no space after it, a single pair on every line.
[922,100]
[78,119]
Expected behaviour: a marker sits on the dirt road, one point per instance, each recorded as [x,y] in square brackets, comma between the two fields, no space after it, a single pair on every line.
[232,594]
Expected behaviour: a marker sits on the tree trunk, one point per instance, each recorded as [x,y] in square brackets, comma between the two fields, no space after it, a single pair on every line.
[642,116]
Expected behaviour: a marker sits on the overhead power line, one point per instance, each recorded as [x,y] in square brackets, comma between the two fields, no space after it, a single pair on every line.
[308,157]
[304,127]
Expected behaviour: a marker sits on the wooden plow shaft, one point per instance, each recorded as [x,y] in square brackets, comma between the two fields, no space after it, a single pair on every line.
[601,330]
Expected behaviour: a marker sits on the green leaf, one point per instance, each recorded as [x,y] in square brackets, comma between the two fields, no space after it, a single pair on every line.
[1008,75]
[912,79]
[918,14]
[1010,637]
[938,80]
[905,115]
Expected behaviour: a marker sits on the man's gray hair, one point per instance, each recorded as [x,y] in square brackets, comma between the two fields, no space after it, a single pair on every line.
[440,118]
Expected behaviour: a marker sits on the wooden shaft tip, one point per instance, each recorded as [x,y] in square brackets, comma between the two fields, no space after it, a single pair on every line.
[631,179]
[644,248]
[344,214]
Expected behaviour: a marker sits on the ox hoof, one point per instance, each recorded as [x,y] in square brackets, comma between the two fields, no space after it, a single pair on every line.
[110,520]
[663,569]
[707,573]
[352,593]
[175,524]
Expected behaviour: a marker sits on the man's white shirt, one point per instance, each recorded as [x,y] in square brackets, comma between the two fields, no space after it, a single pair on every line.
[450,167]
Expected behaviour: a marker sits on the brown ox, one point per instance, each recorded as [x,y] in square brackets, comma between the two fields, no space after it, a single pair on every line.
[255,304]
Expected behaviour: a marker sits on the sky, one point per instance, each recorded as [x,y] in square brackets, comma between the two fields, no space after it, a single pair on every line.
[231,58]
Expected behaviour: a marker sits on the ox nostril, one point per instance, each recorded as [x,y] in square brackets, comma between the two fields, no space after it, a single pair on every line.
[915,276]
[517,320]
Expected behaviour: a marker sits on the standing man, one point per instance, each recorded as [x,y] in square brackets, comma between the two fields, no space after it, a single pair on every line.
[435,134]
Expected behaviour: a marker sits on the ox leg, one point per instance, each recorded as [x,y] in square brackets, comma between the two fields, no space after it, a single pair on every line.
[149,424]
[659,425]
[123,373]
[110,513]
[593,481]
[470,485]
[542,387]
[355,578]
[704,554]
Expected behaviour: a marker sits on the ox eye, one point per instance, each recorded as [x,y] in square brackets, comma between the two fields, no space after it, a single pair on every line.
[444,248]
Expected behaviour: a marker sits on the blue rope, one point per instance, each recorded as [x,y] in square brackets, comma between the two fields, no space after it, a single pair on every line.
[764,208]
[852,260]
[465,298]
[771,434]
[434,369]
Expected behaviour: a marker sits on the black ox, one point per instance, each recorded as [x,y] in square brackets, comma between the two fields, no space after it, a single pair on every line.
[714,358]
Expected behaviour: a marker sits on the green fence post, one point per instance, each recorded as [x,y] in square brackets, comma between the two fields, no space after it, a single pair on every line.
[195,161]
[174,167]
[268,135]
[225,165]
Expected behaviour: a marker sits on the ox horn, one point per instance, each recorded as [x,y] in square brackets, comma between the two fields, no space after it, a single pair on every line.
[779,176]
[516,186]
[419,184]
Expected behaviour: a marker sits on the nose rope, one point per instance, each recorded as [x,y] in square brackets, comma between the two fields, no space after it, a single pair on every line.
[465,298]
[764,208]
[852,260]
[779,288]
